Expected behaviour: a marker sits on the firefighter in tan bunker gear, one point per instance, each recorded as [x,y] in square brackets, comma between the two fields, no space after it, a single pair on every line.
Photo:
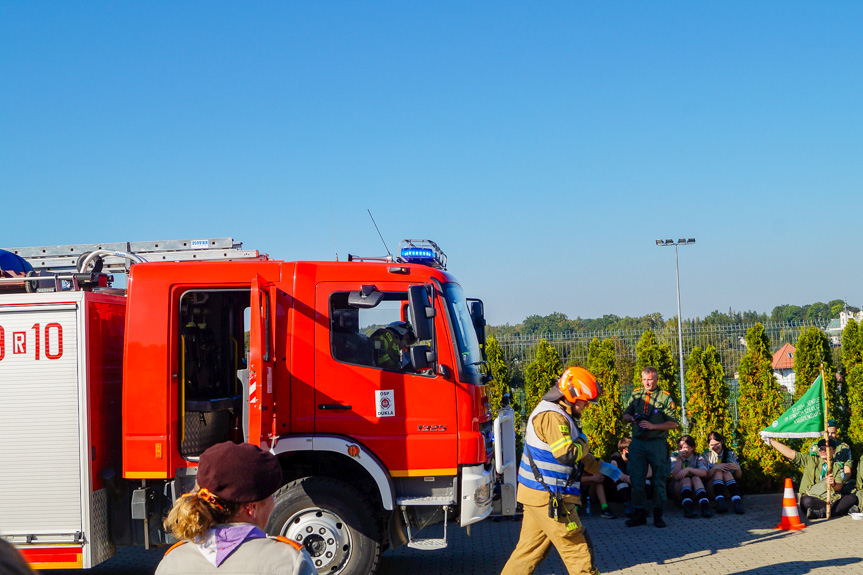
[556,451]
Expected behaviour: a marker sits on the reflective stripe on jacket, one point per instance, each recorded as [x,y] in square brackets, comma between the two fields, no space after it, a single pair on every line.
[554,474]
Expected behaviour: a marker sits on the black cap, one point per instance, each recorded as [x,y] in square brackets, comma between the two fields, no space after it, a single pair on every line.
[833,443]
[241,473]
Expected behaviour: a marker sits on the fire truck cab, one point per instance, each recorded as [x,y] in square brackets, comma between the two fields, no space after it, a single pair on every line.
[364,377]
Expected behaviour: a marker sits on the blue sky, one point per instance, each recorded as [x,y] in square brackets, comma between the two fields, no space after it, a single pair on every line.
[543,146]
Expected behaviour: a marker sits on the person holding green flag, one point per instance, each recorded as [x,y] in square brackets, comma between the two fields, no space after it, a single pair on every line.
[823,476]
[816,478]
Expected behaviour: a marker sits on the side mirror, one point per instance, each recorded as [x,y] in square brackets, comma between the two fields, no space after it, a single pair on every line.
[422,357]
[477,316]
[421,312]
[368,297]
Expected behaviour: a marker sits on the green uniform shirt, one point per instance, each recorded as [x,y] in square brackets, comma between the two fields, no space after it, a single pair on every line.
[860,473]
[657,406]
[812,473]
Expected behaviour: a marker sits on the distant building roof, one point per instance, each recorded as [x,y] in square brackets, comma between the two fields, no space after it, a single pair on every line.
[784,357]
[835,325]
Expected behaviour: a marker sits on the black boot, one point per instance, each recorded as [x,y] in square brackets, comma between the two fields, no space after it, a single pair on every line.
[738,507]
[721,505]
[705,508]
[657,517]
[689,509]
[639,517]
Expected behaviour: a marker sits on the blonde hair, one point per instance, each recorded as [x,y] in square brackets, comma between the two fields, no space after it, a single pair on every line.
[192,515]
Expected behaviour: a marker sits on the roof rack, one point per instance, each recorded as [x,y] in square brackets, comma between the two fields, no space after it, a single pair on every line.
[118,256]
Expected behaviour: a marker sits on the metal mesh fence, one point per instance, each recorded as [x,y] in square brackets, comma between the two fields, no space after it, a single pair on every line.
[729,341]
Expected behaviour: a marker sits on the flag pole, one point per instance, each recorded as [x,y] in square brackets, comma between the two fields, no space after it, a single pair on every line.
[827,441]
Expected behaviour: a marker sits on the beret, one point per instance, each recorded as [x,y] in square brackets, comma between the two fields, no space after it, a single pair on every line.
[833,443]
[241,473]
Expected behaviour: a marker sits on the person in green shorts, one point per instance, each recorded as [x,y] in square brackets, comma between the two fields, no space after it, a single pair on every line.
[652,413]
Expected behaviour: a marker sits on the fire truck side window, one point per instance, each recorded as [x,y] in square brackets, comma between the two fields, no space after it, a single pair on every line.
[376,337]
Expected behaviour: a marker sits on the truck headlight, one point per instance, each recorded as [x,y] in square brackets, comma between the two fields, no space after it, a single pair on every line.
[482,495]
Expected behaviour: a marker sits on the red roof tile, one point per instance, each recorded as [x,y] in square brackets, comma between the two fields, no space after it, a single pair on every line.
[784,357]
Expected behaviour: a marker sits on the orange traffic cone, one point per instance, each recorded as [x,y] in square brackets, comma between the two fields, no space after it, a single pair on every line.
[790,518]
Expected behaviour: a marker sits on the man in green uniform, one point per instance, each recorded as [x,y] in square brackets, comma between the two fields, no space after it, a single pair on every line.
[843,454]
[652,413]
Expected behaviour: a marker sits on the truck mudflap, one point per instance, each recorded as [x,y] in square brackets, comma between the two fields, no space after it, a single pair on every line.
[491,490]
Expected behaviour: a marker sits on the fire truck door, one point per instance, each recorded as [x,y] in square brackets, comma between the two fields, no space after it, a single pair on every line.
[261,362]
[365,390]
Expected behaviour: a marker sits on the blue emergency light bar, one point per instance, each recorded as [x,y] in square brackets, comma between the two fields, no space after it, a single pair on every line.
[423,252]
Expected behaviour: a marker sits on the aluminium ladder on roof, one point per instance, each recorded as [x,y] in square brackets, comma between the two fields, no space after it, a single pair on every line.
[55,259]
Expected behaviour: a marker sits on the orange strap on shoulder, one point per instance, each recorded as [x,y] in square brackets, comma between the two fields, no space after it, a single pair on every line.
[290,542]
[174,546]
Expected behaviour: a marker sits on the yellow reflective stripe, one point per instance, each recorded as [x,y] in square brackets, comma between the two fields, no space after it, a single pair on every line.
[579,452]
[561,444]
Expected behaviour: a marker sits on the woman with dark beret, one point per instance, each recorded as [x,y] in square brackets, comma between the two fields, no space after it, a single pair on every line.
[221,524]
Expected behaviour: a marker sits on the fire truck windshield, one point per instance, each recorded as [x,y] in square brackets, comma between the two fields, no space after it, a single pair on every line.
[462,328]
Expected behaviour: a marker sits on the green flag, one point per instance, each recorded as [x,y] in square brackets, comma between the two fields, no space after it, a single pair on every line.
[804,419]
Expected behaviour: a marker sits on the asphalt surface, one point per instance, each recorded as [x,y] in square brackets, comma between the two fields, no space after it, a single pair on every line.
[724,544]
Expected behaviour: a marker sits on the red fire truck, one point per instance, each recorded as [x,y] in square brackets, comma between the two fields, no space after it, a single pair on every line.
[111,394]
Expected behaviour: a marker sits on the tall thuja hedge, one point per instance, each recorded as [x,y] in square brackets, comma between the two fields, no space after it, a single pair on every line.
[603,423]
[759,403]
[852,366]
[498,370]
[542,373]
[706,396]
[649,352]
[813,349]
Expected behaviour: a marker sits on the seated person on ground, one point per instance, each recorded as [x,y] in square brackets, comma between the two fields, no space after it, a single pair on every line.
[723,473]
[859,485]
[843,454]
[620,459]
[688,473]
[816,478]
[594,486]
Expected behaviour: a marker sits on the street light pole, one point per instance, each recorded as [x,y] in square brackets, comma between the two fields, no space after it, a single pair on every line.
[680,242]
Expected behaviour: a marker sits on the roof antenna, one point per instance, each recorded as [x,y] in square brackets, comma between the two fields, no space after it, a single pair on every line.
[379,233]
[333,222]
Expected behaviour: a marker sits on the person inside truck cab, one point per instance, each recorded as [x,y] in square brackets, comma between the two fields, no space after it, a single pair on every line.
[391,345]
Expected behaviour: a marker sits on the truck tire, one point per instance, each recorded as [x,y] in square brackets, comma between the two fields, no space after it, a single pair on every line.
[334,522]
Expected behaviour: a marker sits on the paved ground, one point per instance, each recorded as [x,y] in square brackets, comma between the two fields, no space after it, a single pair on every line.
[725,544]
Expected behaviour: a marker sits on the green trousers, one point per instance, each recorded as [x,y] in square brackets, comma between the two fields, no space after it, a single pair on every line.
[652,452]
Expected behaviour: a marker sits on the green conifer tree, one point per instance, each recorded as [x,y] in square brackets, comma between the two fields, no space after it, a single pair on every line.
[603,423]
[498,370]
[649,352]
[541,374]
[706,396]
[852,354]
[759,403]
[813,349]
[852,367]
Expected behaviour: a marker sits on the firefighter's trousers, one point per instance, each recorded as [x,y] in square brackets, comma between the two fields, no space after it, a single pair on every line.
[538,533]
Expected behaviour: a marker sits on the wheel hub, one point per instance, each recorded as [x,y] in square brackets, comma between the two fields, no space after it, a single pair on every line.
[324,535]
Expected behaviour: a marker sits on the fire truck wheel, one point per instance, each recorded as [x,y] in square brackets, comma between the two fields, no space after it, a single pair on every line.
[332,520]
